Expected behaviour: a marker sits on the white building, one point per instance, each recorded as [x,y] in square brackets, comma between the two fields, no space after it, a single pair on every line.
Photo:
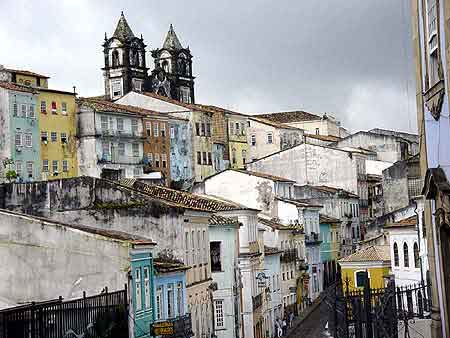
[272,270]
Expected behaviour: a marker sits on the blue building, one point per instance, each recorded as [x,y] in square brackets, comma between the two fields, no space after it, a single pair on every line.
[170,298]
[181,166]
[20,139]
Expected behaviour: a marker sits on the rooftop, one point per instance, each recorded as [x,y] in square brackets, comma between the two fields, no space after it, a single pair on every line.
[275,224]
[272,123]
[298,203]
[25,72]
[220,220]
[262,175]
[171,42]
[163,265]
[107,106]
[404,223]
[332,190]
[328,138]
[290,116]
[370,254]
[113,234]
[181,198]
[123,31]
[17,87]
[271,251]
[328,219]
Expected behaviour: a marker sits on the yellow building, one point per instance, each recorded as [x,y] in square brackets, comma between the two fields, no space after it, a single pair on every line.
[57,125]
[237,140]
[26,77]
[374,259]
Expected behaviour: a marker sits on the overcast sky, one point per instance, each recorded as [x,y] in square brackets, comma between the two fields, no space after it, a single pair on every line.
[349,58]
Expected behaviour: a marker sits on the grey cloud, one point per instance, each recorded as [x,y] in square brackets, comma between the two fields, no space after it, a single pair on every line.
[351,58]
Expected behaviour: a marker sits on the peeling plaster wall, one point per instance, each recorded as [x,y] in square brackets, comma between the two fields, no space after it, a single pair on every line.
[395,187]
[49,261]
[312,164]
[181,166]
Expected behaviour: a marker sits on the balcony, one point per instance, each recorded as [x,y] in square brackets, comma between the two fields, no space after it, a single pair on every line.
[289,255]
[174,327]
[120,133]
[312,239]
[120,159]
[257,302]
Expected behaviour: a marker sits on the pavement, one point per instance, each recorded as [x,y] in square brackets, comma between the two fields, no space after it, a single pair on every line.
[311,323]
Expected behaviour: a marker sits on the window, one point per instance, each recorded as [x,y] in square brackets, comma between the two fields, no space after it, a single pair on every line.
[360,278]
[137,284]
[28,140]
[148,128]
[186,246]
[23,110]
[233,156]
[204,241]
[63,138]
[147,302]
[104,123]
[19,168]
[135,148]
[18,139]
[64,108]
[253,140]
[317,131]
[163,130]
[31,113]
[30,168]
[214,251]
[180,300]
[53,136]
[65,166]
[157,160]
[185,94]
[284,276]
[405,255]
[209,159]
[203,130]
[197,128]
[208,129]
[170,301]
[416,256]
[105,150]
[205,160]
[55,166]
[244,156]
[269,138]
[43,107]
[237,128]
[172,132]
[150,158]
[155,129]
[164,160]
[231,128]
[121,149]
[199,158]
[119,122]
[116,88]
[218,309]
[136,171]
[243,129]
[138,85]
[54,106]
[45,166]
[134,126]
[159,303]
[15,109]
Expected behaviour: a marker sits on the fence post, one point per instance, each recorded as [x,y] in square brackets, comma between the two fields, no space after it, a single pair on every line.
[85,312]
[367,306]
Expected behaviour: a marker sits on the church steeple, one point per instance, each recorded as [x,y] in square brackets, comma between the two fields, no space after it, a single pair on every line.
[125,67]
[172,75]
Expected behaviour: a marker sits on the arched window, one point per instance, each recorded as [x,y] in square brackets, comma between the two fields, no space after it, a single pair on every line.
[416,256]
[165,66]
[115,58]
[405,256]
[396,260]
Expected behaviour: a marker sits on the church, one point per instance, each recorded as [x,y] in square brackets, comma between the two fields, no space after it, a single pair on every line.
[126,68]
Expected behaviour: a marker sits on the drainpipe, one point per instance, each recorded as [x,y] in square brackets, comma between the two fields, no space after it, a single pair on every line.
[418,241]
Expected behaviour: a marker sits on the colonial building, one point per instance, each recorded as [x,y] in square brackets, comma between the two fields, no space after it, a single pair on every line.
[329,248]
[266,137]
[19,139]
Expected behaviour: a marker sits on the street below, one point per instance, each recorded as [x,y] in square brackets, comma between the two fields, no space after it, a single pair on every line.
[314,325]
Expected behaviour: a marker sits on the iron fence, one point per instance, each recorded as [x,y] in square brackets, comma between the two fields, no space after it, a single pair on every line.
[100,316]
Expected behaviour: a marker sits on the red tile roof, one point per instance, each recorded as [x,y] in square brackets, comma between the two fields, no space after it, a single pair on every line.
[328,219]
[329,138]
[262,175]
[370,254]
[333,190]
[26,72]
[407,222]
[275,224]
[272,123]
[16,87]
[220,220]
[290,116]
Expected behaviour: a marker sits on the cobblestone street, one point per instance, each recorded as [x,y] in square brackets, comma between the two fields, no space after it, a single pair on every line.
[313,326]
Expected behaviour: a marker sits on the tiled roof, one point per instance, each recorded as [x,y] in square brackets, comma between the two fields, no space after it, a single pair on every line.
[171,42]
[17,87]
[167,99]
[25,72]
[329,138]
[262,175]
[299,203]
[123,31]
[407,222]
[333,190]
[275,224]
[216,109]
[107,106]
[56,91]
[114,234]
[271,251]
[272,123]
[370,254]
[181,198]
[328,219]
[220,220]
[167,265]
[290,116]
